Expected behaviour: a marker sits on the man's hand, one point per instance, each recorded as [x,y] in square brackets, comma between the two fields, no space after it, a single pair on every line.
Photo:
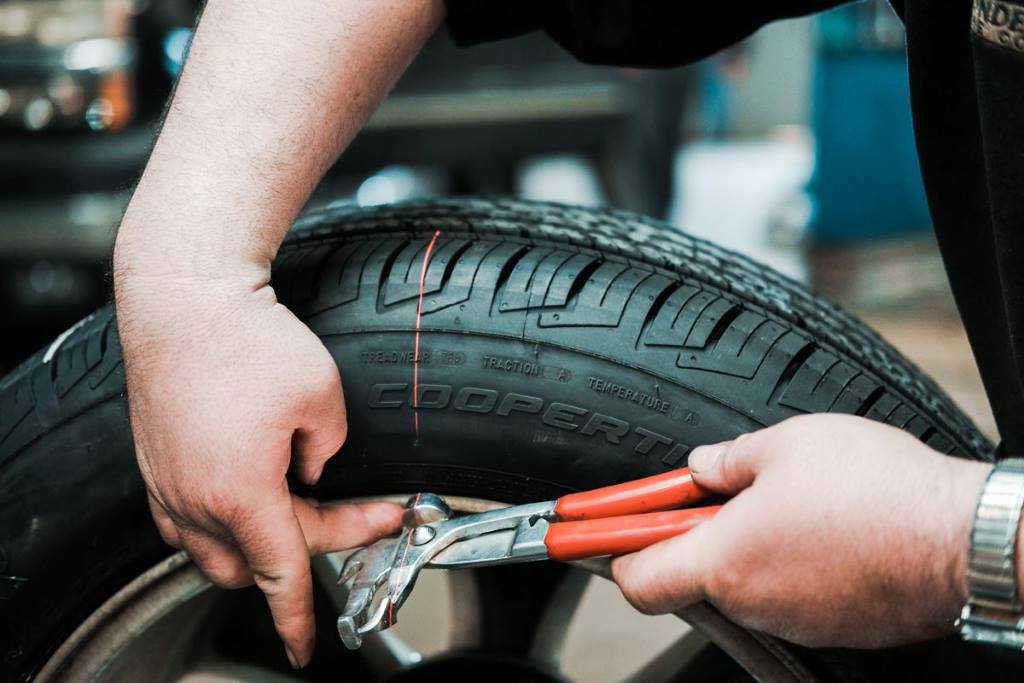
[840,532]
[227,391]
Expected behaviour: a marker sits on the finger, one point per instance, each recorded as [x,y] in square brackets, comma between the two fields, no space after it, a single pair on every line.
[164,523]
[324,427]
[328,528]
[219,561]
[731,466]
[668,575]
[275,548]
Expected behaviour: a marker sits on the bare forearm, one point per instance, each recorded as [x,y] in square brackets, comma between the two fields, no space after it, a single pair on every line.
[272,92]
[270,95]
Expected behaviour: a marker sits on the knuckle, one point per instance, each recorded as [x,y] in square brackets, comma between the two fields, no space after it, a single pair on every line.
[731,463]
[278,581]
[796,429]
[644,601]
[221,501]
[741,446]
[326,376]
[640,602]
[170,535]
[225,573]
[757,447]
[182,515]
[742,440]
[218,560]
[329,442]
[634,587]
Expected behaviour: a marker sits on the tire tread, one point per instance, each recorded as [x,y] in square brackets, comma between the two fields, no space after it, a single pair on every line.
[548,272]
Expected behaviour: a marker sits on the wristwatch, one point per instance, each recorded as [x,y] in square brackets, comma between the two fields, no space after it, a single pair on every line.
[993,612]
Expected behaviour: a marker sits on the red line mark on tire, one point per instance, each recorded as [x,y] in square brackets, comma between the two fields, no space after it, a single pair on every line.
[416,344]
[405,553]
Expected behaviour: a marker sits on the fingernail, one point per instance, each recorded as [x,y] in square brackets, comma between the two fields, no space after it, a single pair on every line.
[704,458]
[291,658]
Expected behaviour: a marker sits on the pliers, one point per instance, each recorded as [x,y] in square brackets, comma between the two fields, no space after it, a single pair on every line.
[613,520]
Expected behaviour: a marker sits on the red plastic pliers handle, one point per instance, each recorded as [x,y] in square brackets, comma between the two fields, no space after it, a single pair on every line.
[613,520]
[627,517]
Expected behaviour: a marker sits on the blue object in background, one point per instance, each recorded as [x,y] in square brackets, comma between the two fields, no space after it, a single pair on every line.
[176,44]
[867,181]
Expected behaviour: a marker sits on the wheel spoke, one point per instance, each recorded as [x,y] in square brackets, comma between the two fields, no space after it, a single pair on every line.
[466,627]
[513,600]
[553,624]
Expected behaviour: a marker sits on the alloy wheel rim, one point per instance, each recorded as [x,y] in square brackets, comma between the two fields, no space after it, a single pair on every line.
[154,622]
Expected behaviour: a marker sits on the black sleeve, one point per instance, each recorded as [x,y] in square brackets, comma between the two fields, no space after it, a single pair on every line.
[639,33]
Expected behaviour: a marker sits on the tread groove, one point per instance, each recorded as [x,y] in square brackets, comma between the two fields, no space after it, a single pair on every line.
[655,308]
[579,282]
[792,367]
[839,394]
[385,272]
[321,268]
[722,324]
[874,397]
[506,271]
[750,337]
[453,261]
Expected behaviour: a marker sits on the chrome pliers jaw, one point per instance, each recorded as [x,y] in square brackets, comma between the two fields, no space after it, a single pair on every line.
[382,575]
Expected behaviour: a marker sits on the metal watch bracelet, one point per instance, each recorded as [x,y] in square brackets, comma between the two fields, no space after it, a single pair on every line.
[993,612]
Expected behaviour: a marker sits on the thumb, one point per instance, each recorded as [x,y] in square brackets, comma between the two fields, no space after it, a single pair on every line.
[727,467]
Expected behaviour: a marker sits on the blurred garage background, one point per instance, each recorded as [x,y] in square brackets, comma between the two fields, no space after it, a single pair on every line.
[794,147]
